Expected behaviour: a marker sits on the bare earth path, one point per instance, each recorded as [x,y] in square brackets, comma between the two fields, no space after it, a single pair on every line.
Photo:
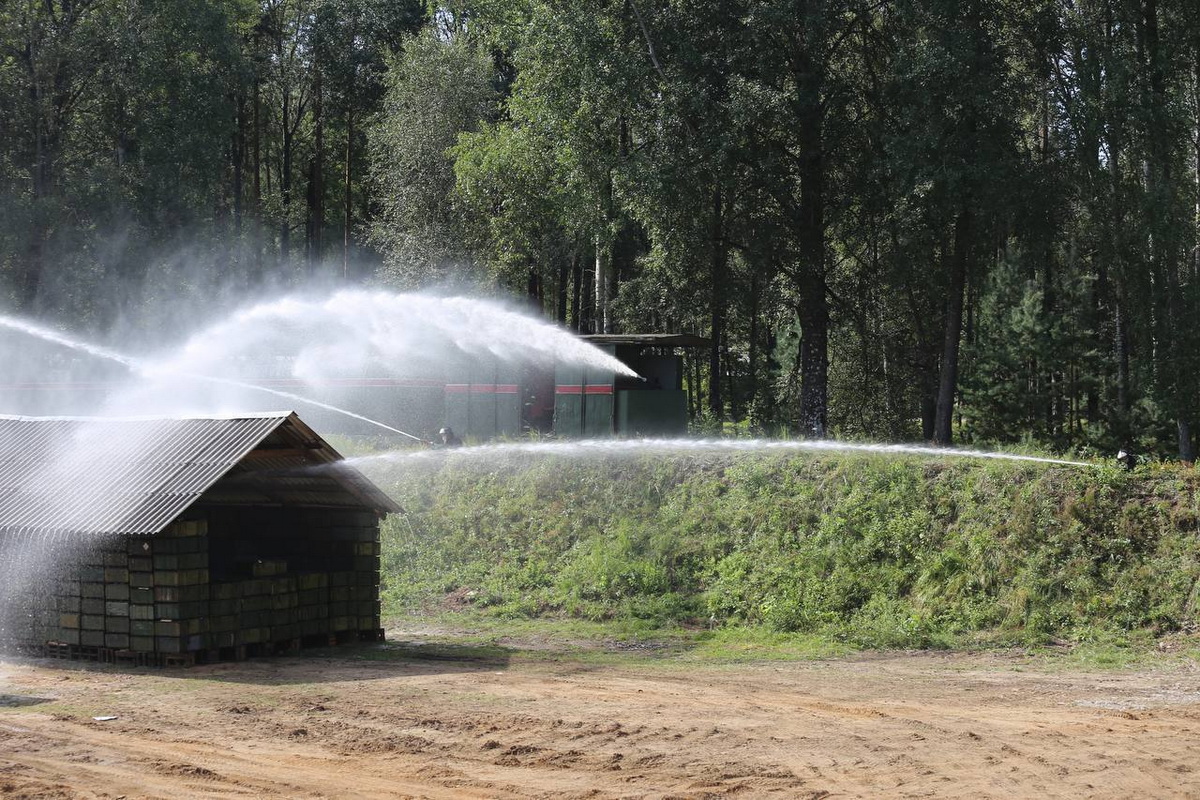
[387,724]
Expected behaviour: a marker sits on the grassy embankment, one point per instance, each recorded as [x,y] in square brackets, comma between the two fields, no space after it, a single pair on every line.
[865,551]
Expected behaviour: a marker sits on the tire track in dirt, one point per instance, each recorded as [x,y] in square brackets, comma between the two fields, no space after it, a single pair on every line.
[330,728]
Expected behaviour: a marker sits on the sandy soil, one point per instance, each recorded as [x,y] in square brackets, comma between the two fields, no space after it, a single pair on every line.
[396,723]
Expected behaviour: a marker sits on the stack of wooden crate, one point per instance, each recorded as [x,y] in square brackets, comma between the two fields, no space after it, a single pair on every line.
[153,595]
[143,593]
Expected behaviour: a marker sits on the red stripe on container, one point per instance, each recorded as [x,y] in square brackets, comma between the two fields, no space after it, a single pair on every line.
[598,389]
[567,389]
[483,388]
[350,382]
[458,388]
[506,388]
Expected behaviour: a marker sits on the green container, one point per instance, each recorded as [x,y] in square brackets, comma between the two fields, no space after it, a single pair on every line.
[652,412]
[225,638]
[180,594]
[67,636]
[181,561]
[139,545]
[224,607]
[170,644]
[168,628]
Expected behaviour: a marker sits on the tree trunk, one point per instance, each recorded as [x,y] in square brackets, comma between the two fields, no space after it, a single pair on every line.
[600,290]
[1121,352]
[752,356]
[813,310]
[734,409]
[587,305]
[929,412]
[560,290]
[534,289]
[717,299]
[285,182]
[41,172]
[316,179]
[577,288]
[1187,453]
[948,381]
[257,147]
[239,159]
[348,190]
[813,314]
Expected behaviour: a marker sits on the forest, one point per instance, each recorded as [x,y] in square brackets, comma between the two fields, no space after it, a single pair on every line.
[958,221]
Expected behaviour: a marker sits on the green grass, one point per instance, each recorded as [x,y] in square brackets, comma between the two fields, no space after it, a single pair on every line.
[832,553]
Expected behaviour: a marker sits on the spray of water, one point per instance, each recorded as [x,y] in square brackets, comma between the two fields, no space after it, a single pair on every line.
[54,337]
[604,448]
[161,371]
[350,333]
[355,330]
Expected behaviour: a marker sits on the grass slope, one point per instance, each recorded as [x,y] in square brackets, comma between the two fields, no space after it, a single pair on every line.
[875,551]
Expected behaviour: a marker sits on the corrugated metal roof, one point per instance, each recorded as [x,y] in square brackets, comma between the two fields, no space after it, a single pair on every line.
[135,476]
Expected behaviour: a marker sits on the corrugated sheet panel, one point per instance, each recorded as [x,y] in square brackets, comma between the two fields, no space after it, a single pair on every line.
[128,476]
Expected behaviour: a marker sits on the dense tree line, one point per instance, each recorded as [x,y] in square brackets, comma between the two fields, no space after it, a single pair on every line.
[967,220]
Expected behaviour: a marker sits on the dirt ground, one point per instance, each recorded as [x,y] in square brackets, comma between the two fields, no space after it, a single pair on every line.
[397,721]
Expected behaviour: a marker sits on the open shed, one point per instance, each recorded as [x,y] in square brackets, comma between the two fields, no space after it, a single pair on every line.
[596,402]
[163,540]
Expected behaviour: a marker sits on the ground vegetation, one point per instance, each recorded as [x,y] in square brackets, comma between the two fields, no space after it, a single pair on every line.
[871,551]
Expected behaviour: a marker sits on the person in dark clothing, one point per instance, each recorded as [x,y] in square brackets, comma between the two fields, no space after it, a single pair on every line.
[449,438]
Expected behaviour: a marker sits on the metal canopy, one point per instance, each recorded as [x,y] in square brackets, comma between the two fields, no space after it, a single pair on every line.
[136,476]
[649,339]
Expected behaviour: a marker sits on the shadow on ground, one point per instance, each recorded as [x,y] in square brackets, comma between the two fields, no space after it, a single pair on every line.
[357,662]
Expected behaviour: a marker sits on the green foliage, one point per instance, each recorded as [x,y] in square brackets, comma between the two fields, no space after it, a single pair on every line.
[837,193]
[869,550]
[438,88]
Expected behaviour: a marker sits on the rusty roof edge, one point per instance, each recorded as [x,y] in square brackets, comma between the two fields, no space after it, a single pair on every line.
[350,478]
